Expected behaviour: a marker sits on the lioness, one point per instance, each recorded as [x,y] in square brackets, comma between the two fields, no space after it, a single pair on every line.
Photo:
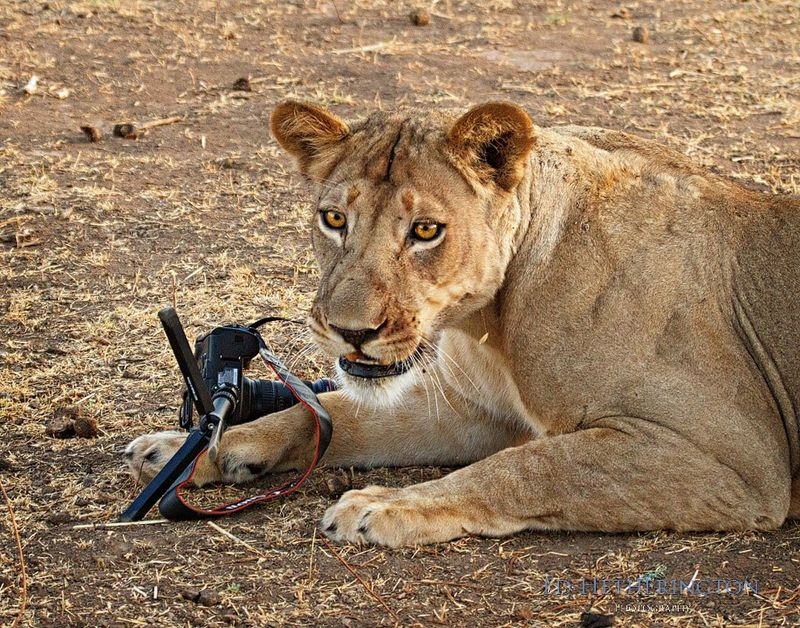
[607,336]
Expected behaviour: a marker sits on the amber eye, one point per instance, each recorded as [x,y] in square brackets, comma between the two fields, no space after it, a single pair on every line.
[426,231]
[334,220]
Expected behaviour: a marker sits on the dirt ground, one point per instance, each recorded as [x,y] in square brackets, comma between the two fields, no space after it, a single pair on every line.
[202,211]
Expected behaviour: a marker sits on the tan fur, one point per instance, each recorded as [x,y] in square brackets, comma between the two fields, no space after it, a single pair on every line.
[610,336]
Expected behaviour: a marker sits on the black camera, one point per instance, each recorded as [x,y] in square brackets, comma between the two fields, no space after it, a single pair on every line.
[217,389]
[222,355]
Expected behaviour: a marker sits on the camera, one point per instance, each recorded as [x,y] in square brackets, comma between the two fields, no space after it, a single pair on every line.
[222,355]
[220,393]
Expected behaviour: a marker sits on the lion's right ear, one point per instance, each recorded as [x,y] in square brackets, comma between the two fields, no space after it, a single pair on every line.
[306,131]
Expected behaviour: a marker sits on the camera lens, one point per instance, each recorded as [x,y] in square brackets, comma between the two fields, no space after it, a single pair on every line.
[262,396]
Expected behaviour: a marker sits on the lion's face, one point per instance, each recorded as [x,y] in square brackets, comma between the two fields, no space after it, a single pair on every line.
[408,231]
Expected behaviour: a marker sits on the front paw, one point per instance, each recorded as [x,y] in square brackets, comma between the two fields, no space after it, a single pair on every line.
[242,456]
[147,454]
[239,460]
[391,517]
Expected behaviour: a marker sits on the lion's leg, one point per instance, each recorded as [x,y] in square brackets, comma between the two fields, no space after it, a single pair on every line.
[621,478]
[426,428]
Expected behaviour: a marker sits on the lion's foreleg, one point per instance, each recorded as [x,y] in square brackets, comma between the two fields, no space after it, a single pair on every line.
[594,479]
[426,428]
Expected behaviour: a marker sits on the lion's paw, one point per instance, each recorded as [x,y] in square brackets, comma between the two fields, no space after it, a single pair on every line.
[241,457]
[147,454]
[391,517]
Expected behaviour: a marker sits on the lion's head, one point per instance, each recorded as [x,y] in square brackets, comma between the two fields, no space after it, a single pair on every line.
[413,228]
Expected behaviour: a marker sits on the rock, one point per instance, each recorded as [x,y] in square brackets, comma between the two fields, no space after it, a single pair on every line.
[338,484]
[420,17]
[208,597]
[641,34]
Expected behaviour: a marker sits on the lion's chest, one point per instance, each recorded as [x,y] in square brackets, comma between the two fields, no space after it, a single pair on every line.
[480,373]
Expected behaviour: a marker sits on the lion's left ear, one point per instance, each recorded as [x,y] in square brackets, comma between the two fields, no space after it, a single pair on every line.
[493,140]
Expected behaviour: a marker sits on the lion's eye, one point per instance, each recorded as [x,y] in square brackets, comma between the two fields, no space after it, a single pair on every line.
[334,220]
[426,231]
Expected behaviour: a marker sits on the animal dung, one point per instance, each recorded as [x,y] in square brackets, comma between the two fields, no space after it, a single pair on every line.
[93,134]
[69,422]
[126,131]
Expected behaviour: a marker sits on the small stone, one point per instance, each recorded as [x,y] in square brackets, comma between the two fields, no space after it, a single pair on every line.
[190,594]
[420,17]
[58,518]
[62,423]
[243,85]
[338,484]
[208,597]
[68,422]
[596,620]
[641,34]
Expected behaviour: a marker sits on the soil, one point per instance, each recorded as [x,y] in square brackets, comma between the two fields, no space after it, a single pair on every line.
[195,206]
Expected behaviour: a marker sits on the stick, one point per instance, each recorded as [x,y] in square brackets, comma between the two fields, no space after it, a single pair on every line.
[23,604]
[160,122]
[235,538]
[117,524]
[370,48]
[367,588]
[311,554]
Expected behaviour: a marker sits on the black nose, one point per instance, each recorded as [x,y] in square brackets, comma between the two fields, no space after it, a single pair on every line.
[356,337]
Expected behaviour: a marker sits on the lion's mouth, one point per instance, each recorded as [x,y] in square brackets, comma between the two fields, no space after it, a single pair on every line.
[374,370]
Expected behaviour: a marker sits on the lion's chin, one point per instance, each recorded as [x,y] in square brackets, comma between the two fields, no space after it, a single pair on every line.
[379,385]
[369,369]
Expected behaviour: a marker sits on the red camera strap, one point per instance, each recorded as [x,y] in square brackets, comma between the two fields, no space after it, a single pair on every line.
[174,504]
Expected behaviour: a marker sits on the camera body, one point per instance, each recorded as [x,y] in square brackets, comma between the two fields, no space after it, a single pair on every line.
[222,355]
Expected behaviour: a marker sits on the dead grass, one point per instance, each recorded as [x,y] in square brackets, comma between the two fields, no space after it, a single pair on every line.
[202,213]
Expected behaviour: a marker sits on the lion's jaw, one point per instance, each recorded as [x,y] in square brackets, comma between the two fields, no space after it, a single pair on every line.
[411,230]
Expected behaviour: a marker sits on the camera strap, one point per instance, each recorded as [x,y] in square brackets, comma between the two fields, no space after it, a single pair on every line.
[174,505]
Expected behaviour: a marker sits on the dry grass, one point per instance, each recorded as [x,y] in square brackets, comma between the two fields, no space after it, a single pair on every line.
[202,213]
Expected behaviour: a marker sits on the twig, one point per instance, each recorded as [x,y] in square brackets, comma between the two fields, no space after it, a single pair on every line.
[160,122]
[8,221]
[705,36]
[311,554]
[369,48]
[118,524]
[338,15]
[23,576]
[691,582]
[235,538]
[366,586]
[174,291]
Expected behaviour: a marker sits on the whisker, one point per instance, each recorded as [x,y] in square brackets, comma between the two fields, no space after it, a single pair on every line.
[419,378]
[434,375]
[450,363]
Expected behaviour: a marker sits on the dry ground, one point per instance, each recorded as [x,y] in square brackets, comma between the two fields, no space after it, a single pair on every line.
[203,212]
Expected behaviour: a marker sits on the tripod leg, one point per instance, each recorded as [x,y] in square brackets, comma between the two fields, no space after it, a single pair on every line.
[195,442]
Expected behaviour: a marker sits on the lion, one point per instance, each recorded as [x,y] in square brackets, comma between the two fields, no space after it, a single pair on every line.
[598,334]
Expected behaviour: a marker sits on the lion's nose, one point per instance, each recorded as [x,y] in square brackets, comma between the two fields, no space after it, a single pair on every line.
[356,337]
